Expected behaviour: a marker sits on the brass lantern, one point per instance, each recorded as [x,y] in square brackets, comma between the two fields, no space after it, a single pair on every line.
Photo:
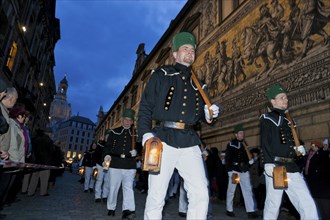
[152,155]
[81,170]
[280,179]
[235,178]
[95,172]
[106,163]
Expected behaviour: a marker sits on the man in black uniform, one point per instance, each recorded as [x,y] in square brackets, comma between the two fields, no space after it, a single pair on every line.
[278,149]
[238,162]
[174,102]
[123,165]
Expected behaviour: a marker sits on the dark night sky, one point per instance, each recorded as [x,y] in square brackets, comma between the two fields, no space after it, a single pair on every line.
[98,44]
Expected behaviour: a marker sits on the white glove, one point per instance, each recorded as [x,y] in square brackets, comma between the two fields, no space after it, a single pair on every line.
[146,137]
[133,153]
[205,153]
[106,162]
[107,158]
[301,149]
[215,112]
[251,161]
[269,167]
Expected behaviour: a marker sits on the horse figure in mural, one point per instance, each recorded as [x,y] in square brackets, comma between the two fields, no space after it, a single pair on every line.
[262,41]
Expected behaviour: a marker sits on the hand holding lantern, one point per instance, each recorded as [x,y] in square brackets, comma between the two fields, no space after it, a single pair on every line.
[106,162]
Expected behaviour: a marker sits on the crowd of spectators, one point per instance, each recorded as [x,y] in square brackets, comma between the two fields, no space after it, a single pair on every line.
[24,155]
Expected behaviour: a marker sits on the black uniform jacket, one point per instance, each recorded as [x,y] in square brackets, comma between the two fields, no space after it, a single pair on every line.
[118,146]
[277,140]
[89,158]
[171,95]
[236,157]
[98,154]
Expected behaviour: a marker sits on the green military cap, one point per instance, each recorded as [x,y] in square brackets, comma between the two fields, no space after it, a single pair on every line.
[274,90]
[238,128]
[128,113]
[183,38]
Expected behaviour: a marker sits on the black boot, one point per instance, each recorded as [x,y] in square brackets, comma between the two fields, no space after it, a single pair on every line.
[230,214]
[111,213]
[253,215]
[127,214]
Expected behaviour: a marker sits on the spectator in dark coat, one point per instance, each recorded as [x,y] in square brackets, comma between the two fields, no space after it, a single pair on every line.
[58,161]
[222,177]
[211,164]
[43,154]
[317,172]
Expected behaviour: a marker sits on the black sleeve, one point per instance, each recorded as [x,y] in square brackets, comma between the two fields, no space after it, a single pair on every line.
[265,140]
[147,104]
[228,158]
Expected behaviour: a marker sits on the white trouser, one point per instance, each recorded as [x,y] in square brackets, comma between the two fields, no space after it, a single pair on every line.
[183,200]
[124,177]
[102,183]
[298,194]
[189,163]
[89,181]
[245,183]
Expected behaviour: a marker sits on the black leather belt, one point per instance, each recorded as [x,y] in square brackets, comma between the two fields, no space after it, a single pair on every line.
[176,125]
[236,164]
[283,159]
[120,155]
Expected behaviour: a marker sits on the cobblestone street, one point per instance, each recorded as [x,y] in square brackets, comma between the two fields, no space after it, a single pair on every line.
[67,201]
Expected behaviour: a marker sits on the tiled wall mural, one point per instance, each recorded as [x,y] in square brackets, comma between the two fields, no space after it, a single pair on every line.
[262,43]
[273,37]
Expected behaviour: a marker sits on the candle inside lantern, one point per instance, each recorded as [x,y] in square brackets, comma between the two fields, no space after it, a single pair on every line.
[237,179]
[95,172]
[81,170]
[153,157]
[106,165]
